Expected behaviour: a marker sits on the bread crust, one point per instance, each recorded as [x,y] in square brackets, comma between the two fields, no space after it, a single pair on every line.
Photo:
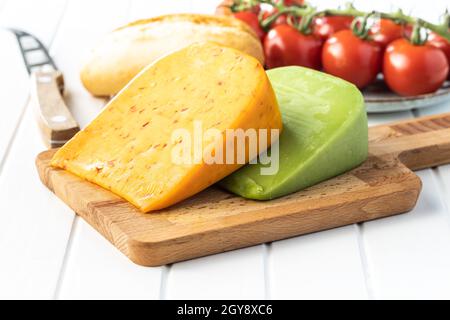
[122,54]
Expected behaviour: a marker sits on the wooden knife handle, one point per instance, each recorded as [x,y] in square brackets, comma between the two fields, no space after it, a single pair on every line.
[419,143]
[55,120]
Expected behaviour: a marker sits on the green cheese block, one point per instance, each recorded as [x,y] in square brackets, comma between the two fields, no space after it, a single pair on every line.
[325,134]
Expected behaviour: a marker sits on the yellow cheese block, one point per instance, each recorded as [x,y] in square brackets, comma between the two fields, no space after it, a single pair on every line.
[128,148]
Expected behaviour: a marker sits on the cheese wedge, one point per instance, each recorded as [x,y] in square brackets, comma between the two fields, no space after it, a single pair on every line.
[128,148]
[325,134]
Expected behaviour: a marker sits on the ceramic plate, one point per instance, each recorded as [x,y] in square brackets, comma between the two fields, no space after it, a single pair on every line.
[380,99]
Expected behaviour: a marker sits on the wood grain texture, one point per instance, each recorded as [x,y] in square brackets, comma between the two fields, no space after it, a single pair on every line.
[216,221]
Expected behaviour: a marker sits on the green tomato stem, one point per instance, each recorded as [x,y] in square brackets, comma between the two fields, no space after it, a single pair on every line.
[415,37]
[305,25]
[243,5]
[306,10]
[296,11]
[360,26]
[397,17]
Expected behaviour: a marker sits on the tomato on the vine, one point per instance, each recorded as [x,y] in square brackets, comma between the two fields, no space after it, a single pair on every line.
[251,19]
[225,8]
[386,31]
[407,31]
[289,3]
[284,45]
[411,70]
[280,20]
[442,44]
[351,58]
[255,9]
[324,27]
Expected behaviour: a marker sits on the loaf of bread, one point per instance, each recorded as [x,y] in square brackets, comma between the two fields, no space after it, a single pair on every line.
[123,53]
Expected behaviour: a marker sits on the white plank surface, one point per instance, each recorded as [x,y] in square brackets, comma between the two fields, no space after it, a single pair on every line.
[14,78]
[40,17]
[324,265]
[443,178]
[97,270]
[233,275]
[14,93]
[142,9]
[83,25]
[409,255]
[34,225]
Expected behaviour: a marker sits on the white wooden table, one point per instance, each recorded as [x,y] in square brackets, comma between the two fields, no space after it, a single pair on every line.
[47,252]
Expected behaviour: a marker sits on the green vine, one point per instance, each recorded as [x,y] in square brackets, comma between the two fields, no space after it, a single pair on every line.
[307,13]
[244,5]
[360,26]
[398,17]
[416,36]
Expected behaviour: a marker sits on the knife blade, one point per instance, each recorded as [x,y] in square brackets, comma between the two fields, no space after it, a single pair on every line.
[55,121]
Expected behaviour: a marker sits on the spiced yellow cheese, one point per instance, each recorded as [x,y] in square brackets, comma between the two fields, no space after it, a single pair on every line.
[128,148]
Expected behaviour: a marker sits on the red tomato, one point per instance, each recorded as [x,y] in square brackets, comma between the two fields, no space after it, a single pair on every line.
[280,20]
[411,70]
[407,31]
[386,31]
[256,9]
[252,20]
[351,58]
[324,27]
[289,3]
[441,43]
[284,46]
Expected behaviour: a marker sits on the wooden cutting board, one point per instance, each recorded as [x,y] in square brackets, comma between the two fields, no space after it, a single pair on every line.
[216,221]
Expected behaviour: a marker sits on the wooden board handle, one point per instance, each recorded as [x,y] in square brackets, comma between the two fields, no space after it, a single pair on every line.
[419,143]
[55,120]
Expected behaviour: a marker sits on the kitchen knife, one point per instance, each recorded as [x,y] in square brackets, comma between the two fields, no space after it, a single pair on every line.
[55,120]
